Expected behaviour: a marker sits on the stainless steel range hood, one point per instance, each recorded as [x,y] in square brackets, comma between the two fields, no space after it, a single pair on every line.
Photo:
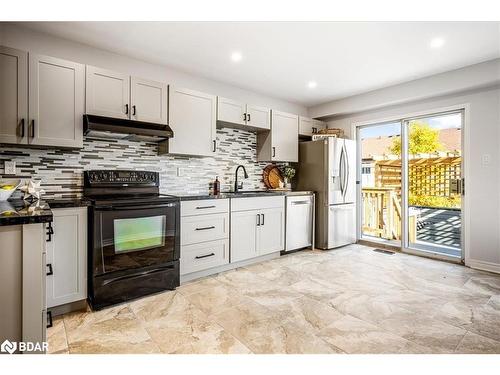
[113,128]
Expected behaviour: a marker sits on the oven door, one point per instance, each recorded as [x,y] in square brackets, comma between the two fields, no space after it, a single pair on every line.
[131,237]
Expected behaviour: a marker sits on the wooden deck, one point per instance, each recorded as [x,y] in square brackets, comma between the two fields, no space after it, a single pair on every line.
[440,226]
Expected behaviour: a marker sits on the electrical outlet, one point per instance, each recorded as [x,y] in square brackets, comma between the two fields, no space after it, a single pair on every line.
[9,167]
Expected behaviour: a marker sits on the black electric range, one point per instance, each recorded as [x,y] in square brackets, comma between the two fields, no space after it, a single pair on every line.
[134,236]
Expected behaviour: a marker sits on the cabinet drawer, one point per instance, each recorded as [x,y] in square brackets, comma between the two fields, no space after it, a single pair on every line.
[257,203]
[204,228]
[203,207]
[202,256]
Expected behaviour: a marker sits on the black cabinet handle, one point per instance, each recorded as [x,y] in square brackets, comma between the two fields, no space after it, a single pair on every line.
[274,152]
[204,207]
[204,256]
[244,116]
[32,128]
[50,232]
[205,228]
[51,271]
[248,117]
[258,220]
[215,146]
[262,219]
[22,128]
[133,110]
[126,109]
[314,130]
[49,319]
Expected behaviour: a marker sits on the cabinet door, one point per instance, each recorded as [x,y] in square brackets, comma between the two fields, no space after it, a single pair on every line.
[318,125]
[192,117]
[148,100]
[108,93]
[306,125]
[13,96]
[271,231]
[56,101]
[258,117]
[230,111]
[244,235]
[67,256]
[284,137]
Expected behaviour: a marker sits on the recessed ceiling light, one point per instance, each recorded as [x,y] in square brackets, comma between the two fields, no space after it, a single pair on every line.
[236,56]
[437,42]
[312,84]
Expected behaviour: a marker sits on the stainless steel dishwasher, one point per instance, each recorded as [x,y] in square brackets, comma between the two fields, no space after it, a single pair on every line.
[299,221]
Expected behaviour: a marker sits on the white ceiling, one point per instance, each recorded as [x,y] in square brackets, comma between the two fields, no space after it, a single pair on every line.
[280,58]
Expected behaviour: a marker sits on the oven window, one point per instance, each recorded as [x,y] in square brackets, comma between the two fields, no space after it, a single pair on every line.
[140,233]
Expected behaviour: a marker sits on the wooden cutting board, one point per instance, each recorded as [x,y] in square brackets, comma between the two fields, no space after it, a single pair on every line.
[272,176]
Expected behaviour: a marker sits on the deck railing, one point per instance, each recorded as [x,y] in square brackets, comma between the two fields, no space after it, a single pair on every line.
[382,214]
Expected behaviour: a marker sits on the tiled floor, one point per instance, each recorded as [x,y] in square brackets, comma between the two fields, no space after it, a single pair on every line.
[350,300]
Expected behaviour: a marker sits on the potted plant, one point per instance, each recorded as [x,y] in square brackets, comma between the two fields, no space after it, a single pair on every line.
[288,173]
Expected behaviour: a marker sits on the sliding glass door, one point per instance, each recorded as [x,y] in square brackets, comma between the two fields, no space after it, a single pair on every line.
[410,183]
[433,161]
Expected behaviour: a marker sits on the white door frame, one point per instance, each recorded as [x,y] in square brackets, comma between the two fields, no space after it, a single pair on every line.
[465,108]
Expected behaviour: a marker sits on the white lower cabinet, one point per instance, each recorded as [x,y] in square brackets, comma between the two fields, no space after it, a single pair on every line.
[257,231]
[67,257]
[204,235]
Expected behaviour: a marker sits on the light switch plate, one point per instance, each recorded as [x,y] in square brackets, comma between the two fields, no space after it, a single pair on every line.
[180,172]
[9,167]
[485,159]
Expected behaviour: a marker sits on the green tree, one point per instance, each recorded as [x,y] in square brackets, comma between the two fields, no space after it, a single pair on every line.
[422,140]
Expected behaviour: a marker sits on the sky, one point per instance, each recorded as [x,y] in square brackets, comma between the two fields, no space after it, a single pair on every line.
[437,122]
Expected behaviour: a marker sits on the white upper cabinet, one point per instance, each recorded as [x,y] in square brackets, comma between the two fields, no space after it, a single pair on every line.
[258,117]
[244,116]
[108,93]
[231,111]
[56,101]
[148,100]
[13,96]
[309,126]
[281,143]
[192,117]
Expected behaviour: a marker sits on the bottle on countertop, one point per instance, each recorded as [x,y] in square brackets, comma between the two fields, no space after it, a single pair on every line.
[216,186]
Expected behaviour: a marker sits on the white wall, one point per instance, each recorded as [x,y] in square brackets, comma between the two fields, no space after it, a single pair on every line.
[482,135]
[25,39]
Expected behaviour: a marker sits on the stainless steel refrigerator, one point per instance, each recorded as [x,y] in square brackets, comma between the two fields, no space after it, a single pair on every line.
[328,167]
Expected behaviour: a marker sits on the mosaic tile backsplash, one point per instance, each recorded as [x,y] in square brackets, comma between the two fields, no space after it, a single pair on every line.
[61,171]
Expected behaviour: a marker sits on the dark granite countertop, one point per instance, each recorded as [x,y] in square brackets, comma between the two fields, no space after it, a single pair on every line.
[67,202]
[244,194]
[19,212]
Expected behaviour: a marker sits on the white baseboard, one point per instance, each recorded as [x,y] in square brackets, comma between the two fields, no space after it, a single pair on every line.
[483,266]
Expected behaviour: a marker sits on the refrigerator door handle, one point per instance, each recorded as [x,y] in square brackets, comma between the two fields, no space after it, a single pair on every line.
[346,172]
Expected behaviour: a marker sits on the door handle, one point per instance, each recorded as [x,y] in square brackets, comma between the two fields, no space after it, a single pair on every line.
[32,128]
[263,217]
[133,110]
[300,202]
[274,152]
[51,271]
[258,220]
[215,146]
[248,117]
[244,117]
[50,232]
[49,319]
[126,109]
[204,207]
[204,256]
[205,228]
[22,128]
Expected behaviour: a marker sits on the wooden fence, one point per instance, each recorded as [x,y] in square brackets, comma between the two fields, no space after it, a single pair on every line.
[382,214]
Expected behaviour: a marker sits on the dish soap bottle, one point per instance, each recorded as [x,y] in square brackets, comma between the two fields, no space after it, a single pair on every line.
[216,186]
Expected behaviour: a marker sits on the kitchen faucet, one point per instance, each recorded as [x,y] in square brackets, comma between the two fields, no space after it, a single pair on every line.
[238,186]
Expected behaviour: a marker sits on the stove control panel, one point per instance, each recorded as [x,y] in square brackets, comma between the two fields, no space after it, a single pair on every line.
[118,177]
